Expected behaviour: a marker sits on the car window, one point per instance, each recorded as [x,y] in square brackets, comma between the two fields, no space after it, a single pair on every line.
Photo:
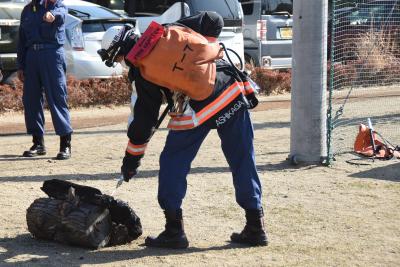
[92,12]
[10,13]
[377,12]
[109,24]
[270,7]
[152,7]
[93,27]
[116,4]
[228,9]
[248,6]
[100,26]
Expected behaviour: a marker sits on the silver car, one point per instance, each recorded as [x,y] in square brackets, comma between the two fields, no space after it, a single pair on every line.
[85,26]
[268,32]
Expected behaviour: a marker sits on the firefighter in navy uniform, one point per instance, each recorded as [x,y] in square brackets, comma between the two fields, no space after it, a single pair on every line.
[41,67]
[218,102]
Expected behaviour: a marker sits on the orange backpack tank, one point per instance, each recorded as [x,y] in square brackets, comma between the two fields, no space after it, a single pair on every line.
[181,60]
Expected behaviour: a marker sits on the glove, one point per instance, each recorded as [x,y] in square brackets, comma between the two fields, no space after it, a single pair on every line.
[129,166]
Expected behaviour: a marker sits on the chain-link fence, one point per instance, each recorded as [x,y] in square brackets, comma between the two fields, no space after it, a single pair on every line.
[364,62]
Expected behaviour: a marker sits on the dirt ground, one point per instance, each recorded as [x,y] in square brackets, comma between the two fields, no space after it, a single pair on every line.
[344,215]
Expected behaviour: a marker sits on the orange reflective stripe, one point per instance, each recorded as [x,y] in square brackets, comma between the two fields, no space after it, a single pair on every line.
[188,122]
[177,126]
[248,88]
[136,150]
[181,118]
[218,99]
[229,98]
[222,101]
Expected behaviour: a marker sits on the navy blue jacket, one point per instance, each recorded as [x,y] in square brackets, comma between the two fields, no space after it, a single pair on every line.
[150,95]
[34,30]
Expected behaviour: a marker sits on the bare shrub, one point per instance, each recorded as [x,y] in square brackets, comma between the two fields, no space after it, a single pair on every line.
[272,82]
[10,98]
[84,93]
[345,73]
[377,52]
[117,90]
[81,93]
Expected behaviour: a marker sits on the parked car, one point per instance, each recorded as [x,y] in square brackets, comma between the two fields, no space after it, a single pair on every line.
[349,23]
[268,32]
[379,14]
[85,26]
[9,24]
[167,11]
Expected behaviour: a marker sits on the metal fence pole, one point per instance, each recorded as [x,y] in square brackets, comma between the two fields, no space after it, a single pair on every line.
[308,106]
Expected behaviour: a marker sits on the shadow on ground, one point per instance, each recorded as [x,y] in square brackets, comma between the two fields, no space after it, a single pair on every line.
[24,250]
[390,173]
[392,118]
[92,131]
[146,173]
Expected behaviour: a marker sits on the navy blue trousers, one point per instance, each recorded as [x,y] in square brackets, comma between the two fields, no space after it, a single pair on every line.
[45,73]
[237,144]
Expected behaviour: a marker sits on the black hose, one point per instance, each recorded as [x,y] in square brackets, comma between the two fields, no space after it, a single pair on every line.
[229,58]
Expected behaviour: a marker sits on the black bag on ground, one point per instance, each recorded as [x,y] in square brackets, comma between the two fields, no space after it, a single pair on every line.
[81,215]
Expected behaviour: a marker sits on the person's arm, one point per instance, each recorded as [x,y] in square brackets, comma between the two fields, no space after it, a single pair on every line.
[21,49]
[146,110]
[207,23]
[59,11]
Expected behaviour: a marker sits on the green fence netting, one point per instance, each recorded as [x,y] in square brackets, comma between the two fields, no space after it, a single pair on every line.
[364,69]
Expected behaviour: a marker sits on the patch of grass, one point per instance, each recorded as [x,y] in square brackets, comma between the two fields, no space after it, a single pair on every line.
[393,186]
[362,185]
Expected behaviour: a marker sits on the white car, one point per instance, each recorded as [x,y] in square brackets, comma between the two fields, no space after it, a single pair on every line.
[85,27]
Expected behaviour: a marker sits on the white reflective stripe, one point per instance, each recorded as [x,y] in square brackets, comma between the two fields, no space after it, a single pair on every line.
[136,149]
[181,123]
[192,120]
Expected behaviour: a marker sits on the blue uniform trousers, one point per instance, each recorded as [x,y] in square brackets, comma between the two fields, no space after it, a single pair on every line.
[237,144]
[45,72]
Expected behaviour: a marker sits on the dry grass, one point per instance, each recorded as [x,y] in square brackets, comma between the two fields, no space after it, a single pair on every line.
[345,215]
[374,60]
[378,50]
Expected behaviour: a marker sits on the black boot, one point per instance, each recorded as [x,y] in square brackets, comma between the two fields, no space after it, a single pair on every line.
[253,233]
[65,147]
[37,148]
[173,236]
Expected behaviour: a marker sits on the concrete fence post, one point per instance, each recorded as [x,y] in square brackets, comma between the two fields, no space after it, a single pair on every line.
[308,100]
